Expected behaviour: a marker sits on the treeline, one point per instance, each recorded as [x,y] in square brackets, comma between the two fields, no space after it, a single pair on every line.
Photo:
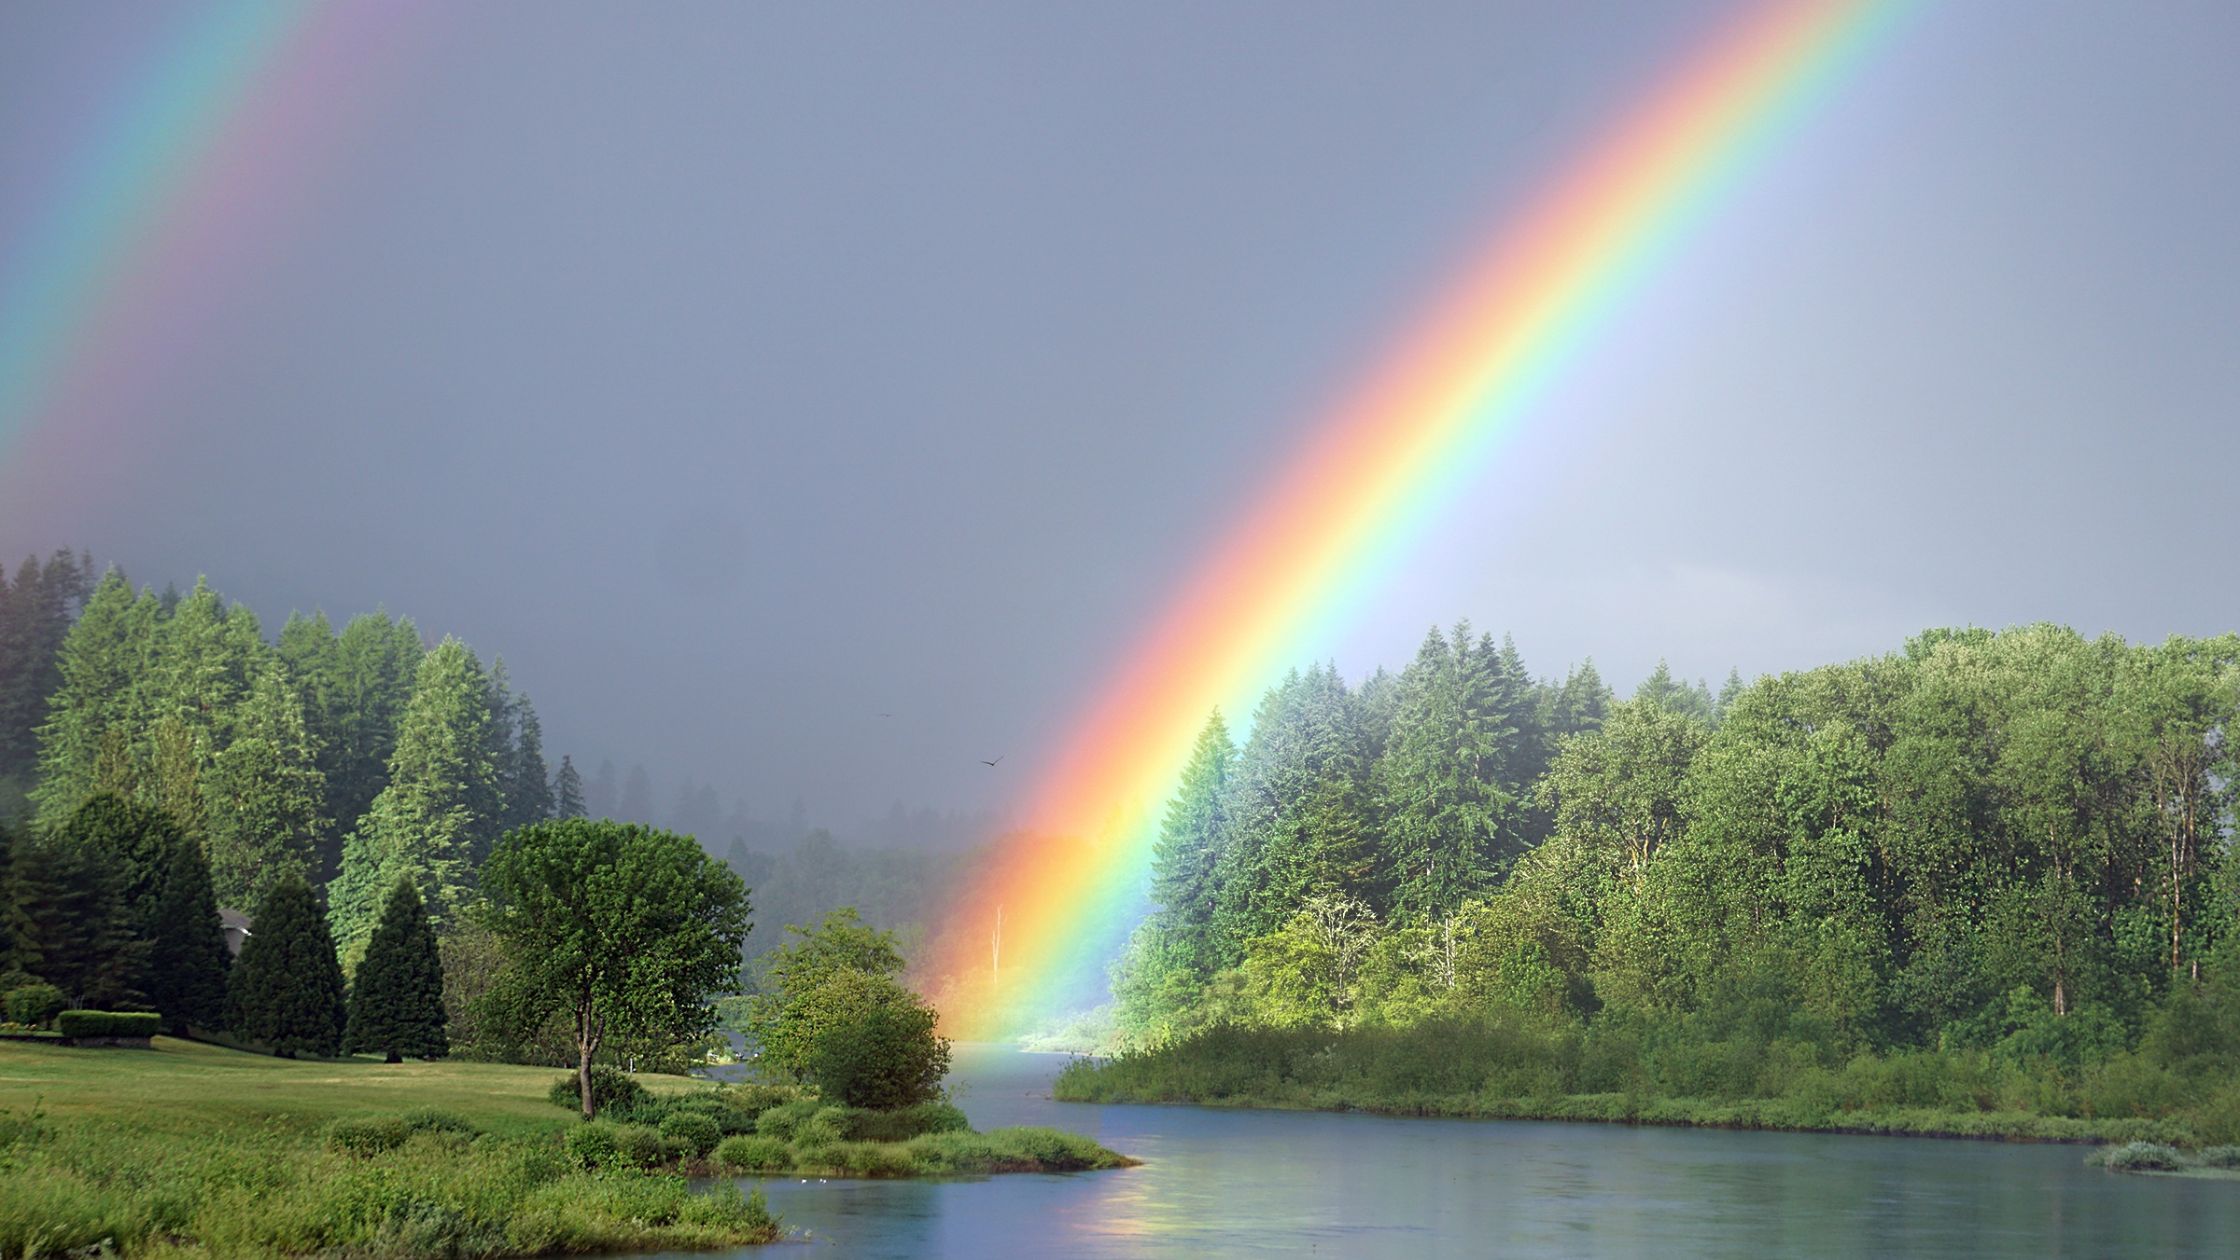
[36,611]
[899,890]
[2013,842]
[350,758]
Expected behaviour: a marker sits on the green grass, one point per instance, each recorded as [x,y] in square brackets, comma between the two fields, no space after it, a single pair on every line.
[187,1149]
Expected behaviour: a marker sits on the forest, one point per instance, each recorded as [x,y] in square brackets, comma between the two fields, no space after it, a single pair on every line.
[1998,861]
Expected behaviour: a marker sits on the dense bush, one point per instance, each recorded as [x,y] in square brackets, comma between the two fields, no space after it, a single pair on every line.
[355,1135]
[699,1132]
[749,1152]
[108,1023]
[2145,1157]
[591,1145]
[609,1088]
[35,1004]
[2220,1157]
[786,1120]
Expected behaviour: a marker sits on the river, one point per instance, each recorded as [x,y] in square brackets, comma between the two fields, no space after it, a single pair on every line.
[1221,1183]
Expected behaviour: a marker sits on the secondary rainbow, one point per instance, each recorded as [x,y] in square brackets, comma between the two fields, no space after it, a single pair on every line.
[1031,935]
[190,175]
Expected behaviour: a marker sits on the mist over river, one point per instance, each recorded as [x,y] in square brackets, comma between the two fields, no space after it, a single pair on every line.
[1222,1182]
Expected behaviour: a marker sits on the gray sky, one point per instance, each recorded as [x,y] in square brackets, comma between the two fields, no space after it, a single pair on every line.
[742,371]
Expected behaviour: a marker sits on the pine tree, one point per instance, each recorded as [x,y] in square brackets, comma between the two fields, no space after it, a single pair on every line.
[528,792]
[189,962]
[636,804]
[423,825]
[355,687]
[602,793]
[1448,811]
[72,930]
[396,1003]
[263,796]
[1580,705]
[567,791]
[493,808]
[36,612]
[101,663]
[1189,848]
[286,991]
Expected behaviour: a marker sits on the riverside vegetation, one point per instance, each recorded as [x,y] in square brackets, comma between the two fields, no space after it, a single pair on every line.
[1981,886]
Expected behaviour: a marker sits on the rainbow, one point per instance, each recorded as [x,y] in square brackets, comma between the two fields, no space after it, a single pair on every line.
[1031,934]
[154,203]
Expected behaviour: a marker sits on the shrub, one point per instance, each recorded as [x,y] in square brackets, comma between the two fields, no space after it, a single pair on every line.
[783,1120]
[367,1136]
[900,1124]
[699,1132]
[108,1023]
[752,1100]
[749,1152]
[2144,1157]
[876,1046]
[2220,1157]
[859,1159]
[591,1145]
[35,1004]
[609,1088]
[436,1120]
[638,1145]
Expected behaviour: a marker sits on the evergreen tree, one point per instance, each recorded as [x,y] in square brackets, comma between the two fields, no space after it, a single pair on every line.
[1580,704]
[493,808]
[423,825]
[567,791]
[396,1003]
[355,688]
[72,930]
[1189,848]
[132,844]
[189,962]
[636,804]
[286,991]
[601,795]
[1443,787]
[36,612]
[528,792]
[1296,811]
[102,662]
[264,797]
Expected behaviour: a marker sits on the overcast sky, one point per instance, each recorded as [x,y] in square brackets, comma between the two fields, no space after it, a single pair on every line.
[743,371]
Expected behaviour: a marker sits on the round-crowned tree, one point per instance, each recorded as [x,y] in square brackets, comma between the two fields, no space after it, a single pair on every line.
[626,931]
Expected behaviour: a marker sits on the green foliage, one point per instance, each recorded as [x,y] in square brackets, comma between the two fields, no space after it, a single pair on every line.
[108,1023]
[2144,1157]
[610,1087]
[35,1004]
[431,820]
[263,795]
[188,962]
[625,931]
[787,1121]
[785,1018]
[396,1002]
[286,990]
[748,1152]
[838,1018]
[71,925]
[699,1132]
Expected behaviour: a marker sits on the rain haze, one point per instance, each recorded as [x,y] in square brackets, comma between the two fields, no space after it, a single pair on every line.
[816,401]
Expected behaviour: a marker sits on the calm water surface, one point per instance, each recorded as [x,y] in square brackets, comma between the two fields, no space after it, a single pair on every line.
[1221,1183]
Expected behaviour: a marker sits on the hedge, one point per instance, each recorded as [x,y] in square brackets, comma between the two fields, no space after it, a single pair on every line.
[108,1023]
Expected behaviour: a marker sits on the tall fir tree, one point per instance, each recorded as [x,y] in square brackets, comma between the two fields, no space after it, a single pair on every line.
[528,791]
[73,931]
[286,990]
[396,1002]
[263,796]
[102,664]
[130,848]
[355,687]
[423,825]
[636,803]
[567,791]
[1189,850]
[1443,791]
[36,612]
[188,959]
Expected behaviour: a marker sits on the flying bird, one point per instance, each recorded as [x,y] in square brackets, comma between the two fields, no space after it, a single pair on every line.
[990,763]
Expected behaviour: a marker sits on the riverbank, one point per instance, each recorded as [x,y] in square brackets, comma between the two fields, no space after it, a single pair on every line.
[187,1149]
[1461,1072]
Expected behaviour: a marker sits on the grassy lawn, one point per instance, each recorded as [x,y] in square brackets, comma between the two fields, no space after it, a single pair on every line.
[195,1150]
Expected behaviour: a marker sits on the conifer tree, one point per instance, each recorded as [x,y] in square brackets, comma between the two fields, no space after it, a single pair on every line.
[1442,785]
[423,825]
[396,1002]
[263,796]
[636,804]
[101,663]
[355,688]
[36,611]
[72,930]
[1189,848]
[528,792]
[188,959]
[567,791]
[286,991]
